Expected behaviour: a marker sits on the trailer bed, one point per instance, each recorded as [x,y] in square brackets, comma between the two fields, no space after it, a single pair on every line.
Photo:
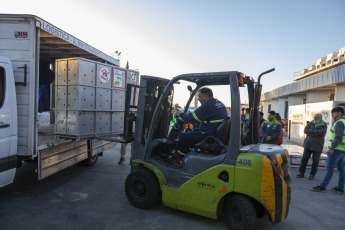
[46,137]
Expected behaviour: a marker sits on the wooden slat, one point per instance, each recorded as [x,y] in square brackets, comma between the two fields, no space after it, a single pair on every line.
[55,159]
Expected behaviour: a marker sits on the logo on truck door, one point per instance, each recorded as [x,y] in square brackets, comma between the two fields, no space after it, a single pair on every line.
[119,78]
[21,34]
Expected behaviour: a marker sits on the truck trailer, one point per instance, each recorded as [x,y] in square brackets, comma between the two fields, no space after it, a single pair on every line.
[43,68]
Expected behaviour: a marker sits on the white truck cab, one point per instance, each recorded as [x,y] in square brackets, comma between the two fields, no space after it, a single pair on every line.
[8,123]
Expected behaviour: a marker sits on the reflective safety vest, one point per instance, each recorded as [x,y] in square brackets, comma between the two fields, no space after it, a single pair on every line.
[341,145]
[173,122]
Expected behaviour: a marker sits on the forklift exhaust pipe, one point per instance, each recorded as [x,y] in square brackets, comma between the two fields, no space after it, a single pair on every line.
[266,72]
[256,116]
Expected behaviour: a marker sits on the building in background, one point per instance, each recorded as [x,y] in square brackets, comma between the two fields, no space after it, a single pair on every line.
[317,89]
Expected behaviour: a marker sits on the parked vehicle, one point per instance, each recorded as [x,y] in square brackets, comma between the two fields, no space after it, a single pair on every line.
[43,68]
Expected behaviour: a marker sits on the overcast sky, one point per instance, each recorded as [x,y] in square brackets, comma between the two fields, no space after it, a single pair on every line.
[172,37]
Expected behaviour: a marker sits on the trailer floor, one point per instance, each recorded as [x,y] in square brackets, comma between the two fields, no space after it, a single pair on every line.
[46,137]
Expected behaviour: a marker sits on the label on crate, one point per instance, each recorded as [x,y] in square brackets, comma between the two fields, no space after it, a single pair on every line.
[133,77]
[104,75]
[119,78]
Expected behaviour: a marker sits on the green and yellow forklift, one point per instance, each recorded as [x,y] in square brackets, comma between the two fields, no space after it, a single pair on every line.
[219,176]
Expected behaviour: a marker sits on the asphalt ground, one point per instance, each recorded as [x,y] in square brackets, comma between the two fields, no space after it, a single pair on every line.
[94,198]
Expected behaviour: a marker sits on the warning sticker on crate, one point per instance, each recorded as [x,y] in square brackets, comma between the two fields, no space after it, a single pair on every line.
[119,78]
[133,77]
[104,75]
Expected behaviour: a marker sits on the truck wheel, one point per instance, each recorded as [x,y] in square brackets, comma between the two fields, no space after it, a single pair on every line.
[90,161]
[240,213]
[142,188]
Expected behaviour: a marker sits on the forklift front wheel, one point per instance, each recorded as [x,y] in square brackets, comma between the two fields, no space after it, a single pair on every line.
[142,188]
[240,213]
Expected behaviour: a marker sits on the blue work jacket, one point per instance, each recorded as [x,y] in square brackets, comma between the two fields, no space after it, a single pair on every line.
[210,115]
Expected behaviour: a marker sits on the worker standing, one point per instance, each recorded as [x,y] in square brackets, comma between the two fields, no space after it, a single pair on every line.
[270,129]
[335,153]
[313,144]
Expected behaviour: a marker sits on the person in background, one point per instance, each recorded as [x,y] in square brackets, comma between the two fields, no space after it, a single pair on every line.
[270,129]
[280,139]
[335,153]
[123,152]
[313,144]
[247,114]
[245,120]
[262,120]
[242,113]
[172,122]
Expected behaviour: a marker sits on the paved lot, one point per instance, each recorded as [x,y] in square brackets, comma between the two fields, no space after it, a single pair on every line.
[94,198]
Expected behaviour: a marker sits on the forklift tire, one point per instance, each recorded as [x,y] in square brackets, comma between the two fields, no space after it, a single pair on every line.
[142,188]
[240,213]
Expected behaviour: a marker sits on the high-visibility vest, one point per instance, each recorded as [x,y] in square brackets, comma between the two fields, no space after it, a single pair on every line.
[173,122]
[341,145]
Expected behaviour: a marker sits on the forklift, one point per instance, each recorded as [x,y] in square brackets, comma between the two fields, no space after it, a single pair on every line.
[219,176]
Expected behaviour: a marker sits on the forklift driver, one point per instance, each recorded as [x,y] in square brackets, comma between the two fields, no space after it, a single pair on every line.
[210,115]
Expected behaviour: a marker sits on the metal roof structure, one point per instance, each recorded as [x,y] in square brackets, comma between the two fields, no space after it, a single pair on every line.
[56,43]
[323,81]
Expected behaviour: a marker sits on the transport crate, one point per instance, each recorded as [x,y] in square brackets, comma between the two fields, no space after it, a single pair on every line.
[90,98]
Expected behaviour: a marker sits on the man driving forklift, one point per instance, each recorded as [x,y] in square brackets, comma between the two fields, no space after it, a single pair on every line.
[210,115]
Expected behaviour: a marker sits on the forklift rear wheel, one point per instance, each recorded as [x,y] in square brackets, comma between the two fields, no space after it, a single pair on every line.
[240,213]
[142,188]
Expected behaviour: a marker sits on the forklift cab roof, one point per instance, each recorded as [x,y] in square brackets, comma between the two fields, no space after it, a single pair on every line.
[217,78]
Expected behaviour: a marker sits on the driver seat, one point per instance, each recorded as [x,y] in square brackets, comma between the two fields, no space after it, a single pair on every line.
[216,144]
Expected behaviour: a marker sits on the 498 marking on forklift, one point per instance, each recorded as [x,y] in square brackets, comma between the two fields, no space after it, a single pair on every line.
[245,162]
[219,177]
